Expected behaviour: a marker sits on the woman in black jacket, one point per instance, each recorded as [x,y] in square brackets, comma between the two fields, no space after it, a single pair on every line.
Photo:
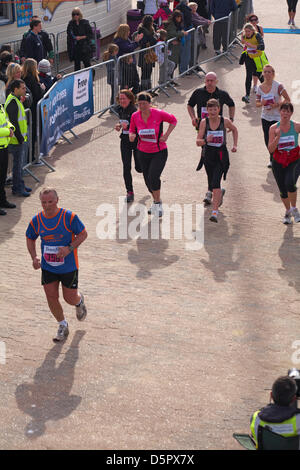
[149,39]
[30,76]
[79,40]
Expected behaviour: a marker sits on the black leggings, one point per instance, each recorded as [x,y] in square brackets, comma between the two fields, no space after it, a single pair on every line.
[286,178]
[214,173]
[292,5]
[250,71]
[127,149]
[266,126]
[152,165]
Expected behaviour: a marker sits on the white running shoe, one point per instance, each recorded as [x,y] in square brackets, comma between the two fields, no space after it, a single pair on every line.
[296,215]
[62,333]
[287,219]
[214,216]
[156,209]
[81,311]
[208,198]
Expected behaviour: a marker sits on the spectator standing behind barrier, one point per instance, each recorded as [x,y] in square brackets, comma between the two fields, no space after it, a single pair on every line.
[5,59]
[149,39]
[220,9]
[125,110]
[202,9]
[166,67]
[162,13]
[292,4]
[33,45]
[46,41]
[111,55]
[253,57]
[7,47]
[269,98]
[6,132]
[175,30]
[200,98]
[185,46]
[126,46]
[18,143]
[45,76]
[282,416]
[14,72]
[197,21]
[30,76]
[129,76]
[79,40]
[147,125]
[284,145]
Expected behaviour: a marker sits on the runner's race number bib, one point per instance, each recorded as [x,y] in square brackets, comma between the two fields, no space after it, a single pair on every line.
[148,135]
[50,255]
[286,143]
[204,113]
[270,99]
[218,138]
[124,121]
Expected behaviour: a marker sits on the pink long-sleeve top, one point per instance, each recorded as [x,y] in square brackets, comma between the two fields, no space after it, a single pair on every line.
[148,131]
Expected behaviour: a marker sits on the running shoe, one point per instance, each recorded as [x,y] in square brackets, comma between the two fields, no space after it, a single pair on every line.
[246,99]
[156,209]
[81,311]
[208,198]
[62,333]
[129,197]
[221,202]
[214,216]
[287,219]
[296,215]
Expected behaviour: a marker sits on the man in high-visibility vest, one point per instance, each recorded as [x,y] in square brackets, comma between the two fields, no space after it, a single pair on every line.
[18,144]
[282,416]
[6,132]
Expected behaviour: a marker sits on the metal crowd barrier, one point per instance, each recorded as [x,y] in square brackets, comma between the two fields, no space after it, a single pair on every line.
[132,70]
[61,47]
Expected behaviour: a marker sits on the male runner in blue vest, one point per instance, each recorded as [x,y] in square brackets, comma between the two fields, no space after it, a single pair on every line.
[61,233]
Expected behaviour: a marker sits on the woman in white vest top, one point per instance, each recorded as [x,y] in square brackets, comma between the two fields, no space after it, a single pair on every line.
[270,95]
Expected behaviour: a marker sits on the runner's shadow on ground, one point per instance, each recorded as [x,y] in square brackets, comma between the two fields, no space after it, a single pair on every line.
[49,397]
[271,187]
[219,245]
[289,253]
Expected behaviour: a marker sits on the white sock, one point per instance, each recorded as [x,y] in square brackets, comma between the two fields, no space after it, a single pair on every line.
[64,323]
[77,305]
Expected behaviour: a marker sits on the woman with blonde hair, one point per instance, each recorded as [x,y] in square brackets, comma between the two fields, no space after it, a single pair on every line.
[30,75]
[79,40]
[14,72]
[254,47]
[121,38]
[270,95]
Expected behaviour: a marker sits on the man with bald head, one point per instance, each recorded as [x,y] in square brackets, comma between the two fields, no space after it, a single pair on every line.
[199,99]
[61,233]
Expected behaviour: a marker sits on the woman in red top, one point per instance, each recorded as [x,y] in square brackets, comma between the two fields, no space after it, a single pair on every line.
[147,124]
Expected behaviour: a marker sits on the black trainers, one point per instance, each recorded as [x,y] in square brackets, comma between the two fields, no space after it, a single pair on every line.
[2,212]
[246,99]
[129,197]
[7,205]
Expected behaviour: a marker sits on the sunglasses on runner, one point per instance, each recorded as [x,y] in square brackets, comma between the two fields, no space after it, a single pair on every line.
[254,19]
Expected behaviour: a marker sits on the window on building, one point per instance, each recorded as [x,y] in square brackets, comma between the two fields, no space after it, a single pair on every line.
[6,13]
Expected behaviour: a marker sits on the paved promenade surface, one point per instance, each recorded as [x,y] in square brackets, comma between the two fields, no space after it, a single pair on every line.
[179,347]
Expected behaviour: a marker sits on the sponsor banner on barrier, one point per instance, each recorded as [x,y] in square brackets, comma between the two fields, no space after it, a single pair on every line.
[69,103]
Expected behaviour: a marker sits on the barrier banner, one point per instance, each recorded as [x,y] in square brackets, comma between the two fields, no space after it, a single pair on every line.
[69,103]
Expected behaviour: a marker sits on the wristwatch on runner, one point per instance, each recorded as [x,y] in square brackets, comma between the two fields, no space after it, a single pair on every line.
[71,248]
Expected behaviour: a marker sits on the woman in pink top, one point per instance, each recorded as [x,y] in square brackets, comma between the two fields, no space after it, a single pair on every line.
[147,124]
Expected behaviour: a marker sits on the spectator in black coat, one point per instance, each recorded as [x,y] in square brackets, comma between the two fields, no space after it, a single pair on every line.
[46,41]
[149,39]
[31,78]
[33,45]
[79,40]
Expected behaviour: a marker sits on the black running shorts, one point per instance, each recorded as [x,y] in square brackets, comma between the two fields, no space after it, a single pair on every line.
[69,280]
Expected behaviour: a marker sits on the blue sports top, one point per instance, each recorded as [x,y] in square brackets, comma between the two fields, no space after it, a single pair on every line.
[56,232]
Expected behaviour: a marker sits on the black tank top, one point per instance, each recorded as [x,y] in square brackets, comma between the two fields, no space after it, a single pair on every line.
[219,135]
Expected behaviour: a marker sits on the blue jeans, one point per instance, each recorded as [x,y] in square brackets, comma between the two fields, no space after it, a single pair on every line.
[185,53]
[19,153]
